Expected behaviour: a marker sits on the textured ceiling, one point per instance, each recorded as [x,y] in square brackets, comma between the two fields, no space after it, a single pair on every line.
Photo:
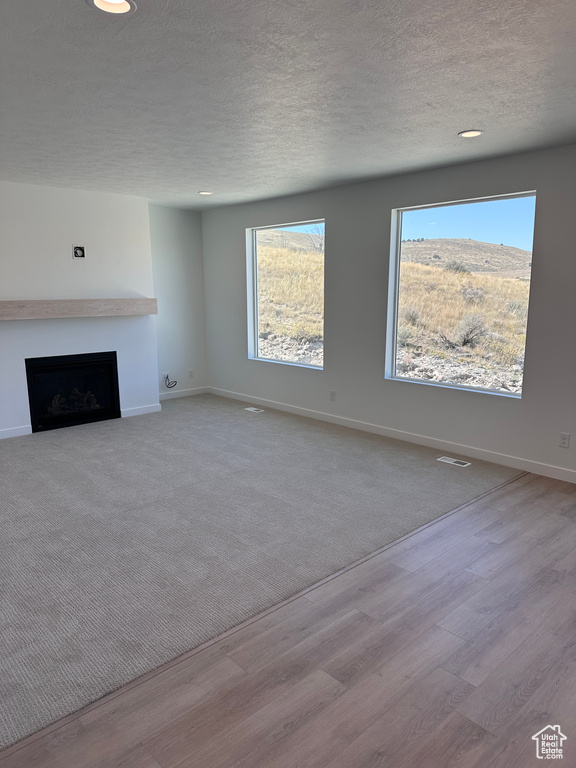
[260,98]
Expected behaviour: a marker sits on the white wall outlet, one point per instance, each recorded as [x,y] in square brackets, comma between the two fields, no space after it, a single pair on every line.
[164,375]
[564,440]
[332,394]
[190,374]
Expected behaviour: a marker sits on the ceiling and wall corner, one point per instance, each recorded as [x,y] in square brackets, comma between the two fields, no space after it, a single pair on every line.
[254,99]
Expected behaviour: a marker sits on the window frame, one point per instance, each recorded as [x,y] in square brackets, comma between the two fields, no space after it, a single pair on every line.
[252,292]
[394,287]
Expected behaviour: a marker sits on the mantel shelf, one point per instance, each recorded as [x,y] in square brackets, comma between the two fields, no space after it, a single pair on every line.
[40,309]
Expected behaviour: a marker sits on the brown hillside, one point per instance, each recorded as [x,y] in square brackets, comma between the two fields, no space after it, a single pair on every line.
[281,238]
[475,255]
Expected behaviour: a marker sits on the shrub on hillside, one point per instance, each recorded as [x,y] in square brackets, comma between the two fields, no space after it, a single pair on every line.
[456,266]
[404,335]
[411,315]
[471,294]
[471,331]
[518,308]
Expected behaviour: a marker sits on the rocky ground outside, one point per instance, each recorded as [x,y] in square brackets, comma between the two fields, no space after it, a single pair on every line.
[409,364]
[470,374]
[291,350]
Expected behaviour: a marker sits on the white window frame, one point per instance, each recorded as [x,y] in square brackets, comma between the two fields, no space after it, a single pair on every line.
[393,294]
[252,291]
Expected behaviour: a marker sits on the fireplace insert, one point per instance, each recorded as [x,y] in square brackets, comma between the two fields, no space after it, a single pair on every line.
[72,389]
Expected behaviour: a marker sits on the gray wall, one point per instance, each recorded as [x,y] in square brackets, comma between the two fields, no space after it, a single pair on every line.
[176,241]
[522,432]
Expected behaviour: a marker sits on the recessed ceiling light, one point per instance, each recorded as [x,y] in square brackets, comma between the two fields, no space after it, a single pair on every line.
[470,134]
[113,6]
[204,193]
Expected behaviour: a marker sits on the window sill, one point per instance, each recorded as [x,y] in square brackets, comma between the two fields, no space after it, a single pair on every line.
[463,387]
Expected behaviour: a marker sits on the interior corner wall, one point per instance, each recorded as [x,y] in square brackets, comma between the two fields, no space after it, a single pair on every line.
[518,432]
[38,228]
[176,238]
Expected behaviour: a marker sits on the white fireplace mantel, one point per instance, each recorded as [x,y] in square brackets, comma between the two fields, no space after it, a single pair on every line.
[39,309]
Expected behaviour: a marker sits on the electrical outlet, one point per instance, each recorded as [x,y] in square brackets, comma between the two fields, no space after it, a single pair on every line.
[332,394]
[564,440]
[164,375]
[190,374]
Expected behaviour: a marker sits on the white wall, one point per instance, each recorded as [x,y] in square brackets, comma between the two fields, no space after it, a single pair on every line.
[38,227]
[176,238]
[521,433]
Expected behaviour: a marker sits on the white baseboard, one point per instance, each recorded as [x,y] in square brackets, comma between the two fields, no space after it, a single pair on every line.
[516,462]
[183,393]
[15,431]
[27,430]
[140,411]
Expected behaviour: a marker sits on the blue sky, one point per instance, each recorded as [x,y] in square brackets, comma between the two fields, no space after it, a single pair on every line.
[508,221]
[304,227]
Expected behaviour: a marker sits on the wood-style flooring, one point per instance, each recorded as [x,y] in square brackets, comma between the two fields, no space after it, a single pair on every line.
[452,647]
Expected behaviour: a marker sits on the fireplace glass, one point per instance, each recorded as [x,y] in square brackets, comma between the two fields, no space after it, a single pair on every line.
[72,389]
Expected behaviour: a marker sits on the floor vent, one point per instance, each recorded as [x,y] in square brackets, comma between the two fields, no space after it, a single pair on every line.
[457,462]
[254,410]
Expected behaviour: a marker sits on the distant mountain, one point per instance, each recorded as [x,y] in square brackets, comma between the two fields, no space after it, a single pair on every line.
[473,254]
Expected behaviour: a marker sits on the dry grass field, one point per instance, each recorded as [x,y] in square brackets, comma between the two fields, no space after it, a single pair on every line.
[291,293]
[448,313]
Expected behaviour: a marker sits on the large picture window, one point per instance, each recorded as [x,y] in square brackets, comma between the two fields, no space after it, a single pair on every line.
[286,293]
[459,291]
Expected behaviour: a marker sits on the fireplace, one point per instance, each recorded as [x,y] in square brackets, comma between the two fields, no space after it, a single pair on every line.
[72,389]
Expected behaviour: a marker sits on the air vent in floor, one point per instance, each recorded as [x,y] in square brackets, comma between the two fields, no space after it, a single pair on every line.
[457,462]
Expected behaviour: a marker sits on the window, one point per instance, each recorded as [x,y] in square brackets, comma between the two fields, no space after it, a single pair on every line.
[286,293]
[459,290]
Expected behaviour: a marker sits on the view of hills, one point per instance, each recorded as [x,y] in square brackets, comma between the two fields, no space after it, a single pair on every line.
[475,255]
[462,307]
[462,312]
[294,241]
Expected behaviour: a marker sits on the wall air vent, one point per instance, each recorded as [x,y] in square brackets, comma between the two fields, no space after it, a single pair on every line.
[456,462]
[254,410]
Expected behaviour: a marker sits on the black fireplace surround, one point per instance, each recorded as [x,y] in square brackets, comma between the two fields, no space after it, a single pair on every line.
[72,389]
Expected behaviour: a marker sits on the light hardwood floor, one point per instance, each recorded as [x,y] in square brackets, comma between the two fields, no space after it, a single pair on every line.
[452,647]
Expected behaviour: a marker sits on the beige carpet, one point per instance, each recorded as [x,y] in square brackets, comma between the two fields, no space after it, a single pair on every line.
[129,542]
